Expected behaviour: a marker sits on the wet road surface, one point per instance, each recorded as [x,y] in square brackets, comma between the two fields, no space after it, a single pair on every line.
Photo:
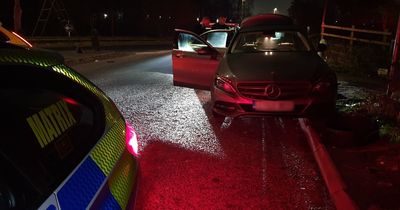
[191,160]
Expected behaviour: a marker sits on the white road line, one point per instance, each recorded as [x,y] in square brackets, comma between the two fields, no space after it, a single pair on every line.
[264,158]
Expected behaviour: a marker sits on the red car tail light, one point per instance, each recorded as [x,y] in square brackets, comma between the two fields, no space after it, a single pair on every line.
[131,139]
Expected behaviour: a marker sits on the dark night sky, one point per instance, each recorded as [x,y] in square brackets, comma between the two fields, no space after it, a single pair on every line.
[267,6]
[180,11]
[33,6]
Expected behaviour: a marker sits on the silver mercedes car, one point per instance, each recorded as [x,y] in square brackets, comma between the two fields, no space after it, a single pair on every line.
[265,67]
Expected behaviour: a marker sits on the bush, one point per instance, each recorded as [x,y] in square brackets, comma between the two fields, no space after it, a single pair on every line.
[382,109]
[360,59]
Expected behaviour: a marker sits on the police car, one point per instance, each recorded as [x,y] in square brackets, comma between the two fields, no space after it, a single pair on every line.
[64,144]
[13,38]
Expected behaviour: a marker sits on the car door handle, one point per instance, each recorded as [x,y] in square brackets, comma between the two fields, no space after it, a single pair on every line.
[215,56]
[179,54]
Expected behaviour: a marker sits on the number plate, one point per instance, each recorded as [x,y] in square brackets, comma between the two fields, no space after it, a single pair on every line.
[273,106]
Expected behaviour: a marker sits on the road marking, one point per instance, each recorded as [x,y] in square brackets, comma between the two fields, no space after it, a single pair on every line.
[290,155]
[280,122]
[264,158]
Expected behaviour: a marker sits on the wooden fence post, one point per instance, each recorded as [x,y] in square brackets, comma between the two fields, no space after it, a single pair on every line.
[352,36]
[394,74]
[385,36]
[323,19]
[17,16]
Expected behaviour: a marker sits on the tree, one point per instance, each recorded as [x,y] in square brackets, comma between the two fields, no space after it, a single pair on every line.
[363,13]
[369,14]
[307,13]
[229,8]
[17,16]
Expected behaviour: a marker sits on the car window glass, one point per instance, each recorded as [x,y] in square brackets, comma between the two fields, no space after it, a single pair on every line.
[189,43]
[262,41]
[48,131]
[217,39]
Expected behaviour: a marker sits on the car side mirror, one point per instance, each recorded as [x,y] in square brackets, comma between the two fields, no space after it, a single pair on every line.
[321,47]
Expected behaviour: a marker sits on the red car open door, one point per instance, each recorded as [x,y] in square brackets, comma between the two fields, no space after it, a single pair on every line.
[194,61]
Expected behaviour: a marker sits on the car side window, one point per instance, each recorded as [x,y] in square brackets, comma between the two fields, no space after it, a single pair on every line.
[218,39]
[262,41]
[52,124]
[189,43]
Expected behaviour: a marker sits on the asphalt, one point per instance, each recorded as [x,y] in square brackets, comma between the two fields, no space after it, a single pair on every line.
[188,160]
[333,180]
[73,57]
[349,88]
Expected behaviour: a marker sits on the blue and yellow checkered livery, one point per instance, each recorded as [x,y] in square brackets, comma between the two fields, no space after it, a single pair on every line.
[106,178]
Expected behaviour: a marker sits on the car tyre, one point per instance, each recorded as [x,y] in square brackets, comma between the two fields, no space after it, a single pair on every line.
[218,118]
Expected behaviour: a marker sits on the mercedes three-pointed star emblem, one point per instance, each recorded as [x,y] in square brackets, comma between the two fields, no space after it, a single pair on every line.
[272,91]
